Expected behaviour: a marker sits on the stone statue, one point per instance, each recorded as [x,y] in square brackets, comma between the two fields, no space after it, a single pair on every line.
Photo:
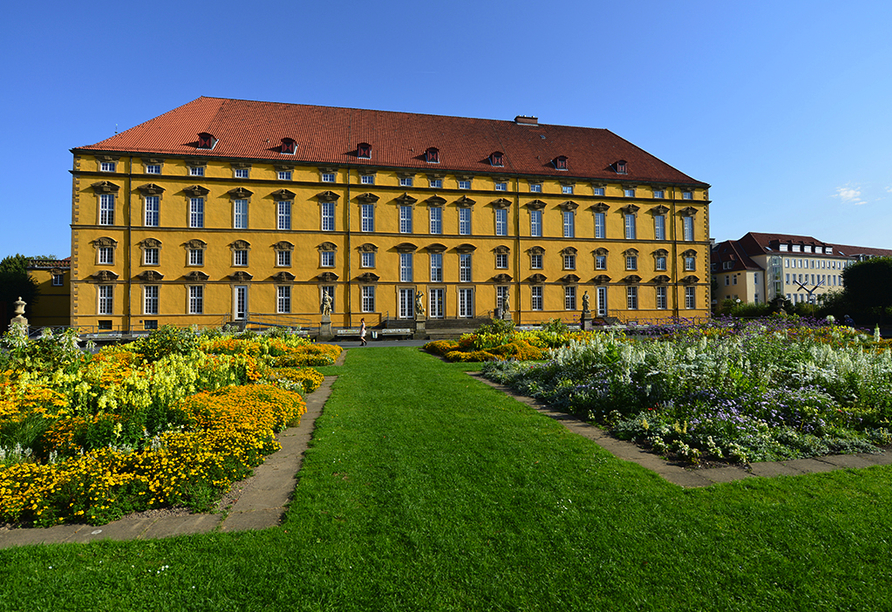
[506,304]
[585,302]
[419,307]
[326,303]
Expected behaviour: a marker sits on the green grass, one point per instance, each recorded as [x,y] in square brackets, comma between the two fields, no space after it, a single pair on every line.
[426,490]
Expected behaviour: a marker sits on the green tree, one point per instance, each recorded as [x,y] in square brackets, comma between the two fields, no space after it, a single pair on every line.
[866,294]
[15,283]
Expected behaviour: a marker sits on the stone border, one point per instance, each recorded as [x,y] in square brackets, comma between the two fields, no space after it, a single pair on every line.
[257,502]
[694,477]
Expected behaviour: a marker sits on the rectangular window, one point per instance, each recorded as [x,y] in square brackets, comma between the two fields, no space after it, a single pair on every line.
[406,267]
[690,297]
[690,263]
[662,302]
[464,221]
[240,173]
[58,280]
[660,227]
[328,177]
[569,224]
[659,194]
[602,301]
[106,299]
[501,297]
[196,257]
[535,187]
[629,193]
[150,256]
[632,298]
[107,209]
[240,214]
[327,259]
[436,267]
[283,215]
[436,183]
[569,262]
[464,184]
[501,186]
[107,166]
[367,259]
[570,298]
[150,325]
[106,255]
[196,299]
[152,210]
[435,308]
[406,303]
[196,212]
[466,303]
[630,226]
[153,168]
[660,263]
[368,298]
[536,223]
[367,179]
[283,299]
[240,257]
[367,214]
[631,262]
[598,191]
[436,219]
[501,261]
[501,222]
[150,300]
[405,219]
[535,261]
[536,295]
[464,267]
[600,262]
[567,189]
[327,212]
[687,195]
[405,181]
[196,170]
[284,175]
[688,228]
[600,225]
[283,259]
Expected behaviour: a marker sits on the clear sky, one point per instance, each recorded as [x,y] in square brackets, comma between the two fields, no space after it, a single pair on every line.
[784,107]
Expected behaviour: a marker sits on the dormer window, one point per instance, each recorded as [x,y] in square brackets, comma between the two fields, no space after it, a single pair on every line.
[560,162]
[497,158]
[364,150]
[206,141]
[289,145]
[432,155]
[621,167]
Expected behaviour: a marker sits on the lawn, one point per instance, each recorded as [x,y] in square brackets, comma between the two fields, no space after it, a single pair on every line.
[426,490]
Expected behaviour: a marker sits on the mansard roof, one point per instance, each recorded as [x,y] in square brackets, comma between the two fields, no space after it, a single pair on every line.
[251,130]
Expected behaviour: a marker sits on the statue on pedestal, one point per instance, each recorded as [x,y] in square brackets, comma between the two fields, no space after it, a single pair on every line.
[326,304]
[585,302]
[419,307]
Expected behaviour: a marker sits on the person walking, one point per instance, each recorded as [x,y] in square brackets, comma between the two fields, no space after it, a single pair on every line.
[362,331]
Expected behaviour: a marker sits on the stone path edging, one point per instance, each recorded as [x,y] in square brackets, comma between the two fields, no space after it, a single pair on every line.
[696,477]
[259,500]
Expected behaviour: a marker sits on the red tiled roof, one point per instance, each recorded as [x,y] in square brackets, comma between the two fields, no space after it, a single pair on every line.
[730,250]
[37,264]
[329,135]
[852,251]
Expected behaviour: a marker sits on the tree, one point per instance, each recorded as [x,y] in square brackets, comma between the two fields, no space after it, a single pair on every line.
[15,283]
[866,294]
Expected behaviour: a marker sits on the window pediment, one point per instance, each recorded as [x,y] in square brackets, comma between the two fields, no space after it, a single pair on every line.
[436,248]
[368,277]
[195,243]
[367,198]
[599,207]
[535,205]
[662,279]
[601,251]
[502,250]
[105,241]
[569,251]
[632,279]
[688,211]
[502,278]
[283,277]
[151,189]
[689,253]
[690,280]
[240,193]
[327,246]
[283,245]
[464,202]
[283,194]
[537,278]
[150,276]
[240,245]
[368,247]
[241,276]
[570,279]
[661,253]
[327,277]
[406,200]
[568,205]
[601,279]
[659,210]
[105,187]
[435,201]
[405,247]
[466,248]
[630,209]
[105,276]
[631,252]
[151,243]
[196,276]
[327,196]
[501,203]
[535,250]
[196,191]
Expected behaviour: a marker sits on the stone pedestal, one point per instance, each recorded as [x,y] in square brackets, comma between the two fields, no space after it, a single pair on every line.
[19,323]
[325,328]
[587,324]
[420,332]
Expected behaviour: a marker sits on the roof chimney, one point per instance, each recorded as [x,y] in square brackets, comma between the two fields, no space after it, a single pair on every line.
[524,120]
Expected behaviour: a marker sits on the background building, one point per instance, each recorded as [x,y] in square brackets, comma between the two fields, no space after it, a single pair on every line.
[761,267]
[224,210]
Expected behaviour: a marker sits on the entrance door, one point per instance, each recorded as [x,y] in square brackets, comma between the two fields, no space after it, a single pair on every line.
[435,304]
[407,303]
[241,303]
[602,301]
[466,303]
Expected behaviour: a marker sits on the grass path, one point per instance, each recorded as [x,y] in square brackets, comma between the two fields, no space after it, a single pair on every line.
[426,490]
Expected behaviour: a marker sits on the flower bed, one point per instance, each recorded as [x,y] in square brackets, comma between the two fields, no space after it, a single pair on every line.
[750,392]
[171,419]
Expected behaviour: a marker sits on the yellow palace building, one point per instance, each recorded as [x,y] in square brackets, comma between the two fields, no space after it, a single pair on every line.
[228,210]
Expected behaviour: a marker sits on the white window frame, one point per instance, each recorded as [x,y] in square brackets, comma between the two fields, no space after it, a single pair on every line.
[436,267]
[367,217]
[535,187]
[196,170]
[283,258]
[536,297]
[690,298]
[600,262]
[196,257]
[283,299]
[241,173]
[105,256]
[240,257]
[569,261]
[464,184]
[367,179]
[501,261]
[196,299]
[435,183]
[106,297]
[326,259]
[464,221]
[501,186]
[367,293]
[406,267]
[283,215]
[196,212]
[406,219]
[150,294]
[151,211]
[153,168]
[406,181]
[570,297]
[106,209]
[240,214]
[327,216]
[367,259]
[284,175]
[569,218]
[660,227]
[632,297]
[328,177]
[662,298]
[435,215]
[501,221]
[688,228]
[536,223]
[630,231]
[535,261]
[600,225]
[151,256]
[465,263]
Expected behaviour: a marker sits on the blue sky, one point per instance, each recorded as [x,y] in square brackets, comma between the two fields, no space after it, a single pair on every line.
[783,107]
